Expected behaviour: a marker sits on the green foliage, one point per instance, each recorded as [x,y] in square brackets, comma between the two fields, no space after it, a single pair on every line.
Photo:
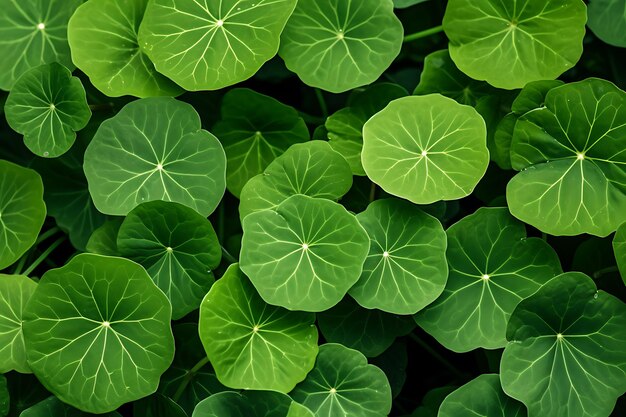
[607,20]
[53,407]
[249,404]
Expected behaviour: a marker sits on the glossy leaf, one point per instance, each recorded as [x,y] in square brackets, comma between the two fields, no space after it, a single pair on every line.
[208,44]
[247,404]
[97,332]
[338,46]
[155,149]
[619,247]
[406,267]
[254,130]
[566,353]
[15,292]
[52,406]
[305,254]
[402,4]
[509,44]
[103,240]
[607,20]
[252,345]
[493,266]
[342,383]
[122,68]
[425,149]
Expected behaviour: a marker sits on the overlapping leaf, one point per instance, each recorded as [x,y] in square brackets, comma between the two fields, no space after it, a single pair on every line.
[607,20]
[250,404]
[52,406]
[619,247]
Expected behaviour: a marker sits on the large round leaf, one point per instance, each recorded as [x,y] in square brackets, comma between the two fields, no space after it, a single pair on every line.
[177,246]
[110,27]
[342,383]
[154,149]
[566,355]
[211,44]
[619,247]
[340,45]
[305,254]
[511,43]
[570,152]
[311,168]
[482,396]
[493,266]
[406,267]
[52,406]
[426,148]
[252,345]
[33,33]
[607,20]
[15,292]
[97,332]
[254,130]
[249,404]
[22,211]
[47,105]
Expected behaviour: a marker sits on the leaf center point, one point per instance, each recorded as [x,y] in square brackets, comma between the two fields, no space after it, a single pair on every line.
[41,26]
[580,156]
[305,246]
[333,391]
[219,23]
[485,277]
[385,254]
[106,324]
[424,153]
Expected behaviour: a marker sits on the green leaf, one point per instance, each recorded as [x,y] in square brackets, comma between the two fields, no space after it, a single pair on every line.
[52,406]
[305,254]
[493,266]
[509,44]
[22,211]
[369,331]
[103,240]
[16,290]
[177,246]
[298,410]
[571,155]
[403,4]
[33,33]
[394,362]
[533,96]
[565,355]
[619,247]
[155,149]
[607,20]
[502,139]
[97,332]
[406,267]
[431,402]
[342,383]
[4,397]
[425,149]
[157,405]
[311,168]
[253,345]
[482,396]
[247,404]
[48,106]
[254,130]
[338,46]
[211,44]
[25,391]
[110,27]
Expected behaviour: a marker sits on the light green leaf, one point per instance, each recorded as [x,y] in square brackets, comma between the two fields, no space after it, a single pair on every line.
[566,355]
[619,247]
[22,211]
[254,130]
[426,148]
[110,27]
[403,4]
[493,266]
[252,345]
[298,410]
[342,383]
[305,254]
[97,332]
[509,44]
[338,46]
[155,149]
[211,44]
[607,20]
[52,406]
[15,292]
[103,240]
[247,404]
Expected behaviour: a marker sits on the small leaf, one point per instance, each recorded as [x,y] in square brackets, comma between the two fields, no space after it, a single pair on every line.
[103,240]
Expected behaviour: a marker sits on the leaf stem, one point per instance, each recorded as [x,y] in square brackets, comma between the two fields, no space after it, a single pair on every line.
[423,33]
[188,376]
[230,258]
[20,264]
[101,106]
[45,235]
[44,255]
[436,355]
[606,270]
[373,192]
[322,101]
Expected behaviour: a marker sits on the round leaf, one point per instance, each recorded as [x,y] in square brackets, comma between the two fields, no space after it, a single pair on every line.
[154,149]
[157,405]
[97,332]
[426,148]
[211,44]
[22,211]
[566,355]
[338,46]
[305,254]
[15,292]
[252,345]
[247,404]
[47,105]
[52,406]
[573,177]
[342,383]
[619,247]
[493,266]
[177,246]
[509,44]
[607,20]
[110,27]
[254,130]
[311,168]
[406,267]
[33,33]
[482,396]
[103,240]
